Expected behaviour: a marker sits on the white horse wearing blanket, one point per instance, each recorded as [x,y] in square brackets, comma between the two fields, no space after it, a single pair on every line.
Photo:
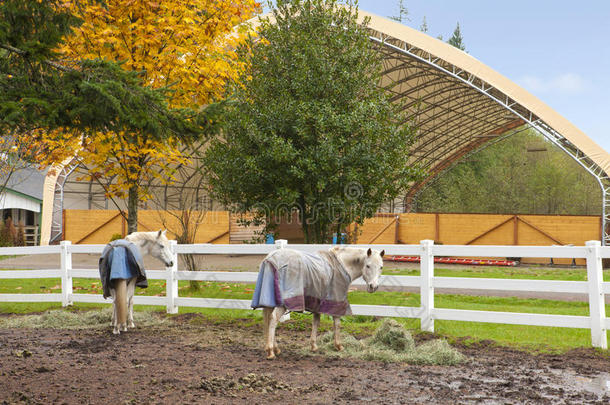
[122,269]
[289,280]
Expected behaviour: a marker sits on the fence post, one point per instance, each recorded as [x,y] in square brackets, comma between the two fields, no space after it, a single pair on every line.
[597,309]
[426,285]
[171,283]
[66,268]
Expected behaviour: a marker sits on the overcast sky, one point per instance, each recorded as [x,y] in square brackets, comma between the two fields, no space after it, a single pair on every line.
[559,50]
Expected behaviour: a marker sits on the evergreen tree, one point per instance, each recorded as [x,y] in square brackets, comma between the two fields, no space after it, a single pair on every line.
[456,39]
[424,26]
[403,13]
[37,91]
[54,107]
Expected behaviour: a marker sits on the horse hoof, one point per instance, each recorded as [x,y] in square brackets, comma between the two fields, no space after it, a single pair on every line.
[314,348]
[276,350]
[131,325]
[116,332]
[339,347]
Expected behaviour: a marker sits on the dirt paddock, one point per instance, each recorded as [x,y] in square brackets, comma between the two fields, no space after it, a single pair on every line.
[191,360]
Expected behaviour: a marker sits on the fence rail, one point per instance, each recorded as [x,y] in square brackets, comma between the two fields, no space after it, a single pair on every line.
[592,252]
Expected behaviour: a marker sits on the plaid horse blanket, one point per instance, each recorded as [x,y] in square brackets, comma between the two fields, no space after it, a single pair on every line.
[303,282]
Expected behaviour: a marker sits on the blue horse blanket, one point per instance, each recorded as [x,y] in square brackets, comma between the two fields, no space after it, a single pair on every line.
[301,281]
[121,259]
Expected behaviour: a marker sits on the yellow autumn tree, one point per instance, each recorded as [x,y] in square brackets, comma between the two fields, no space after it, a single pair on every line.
[185,46]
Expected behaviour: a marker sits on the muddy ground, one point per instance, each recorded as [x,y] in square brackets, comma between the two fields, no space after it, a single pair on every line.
[191,360]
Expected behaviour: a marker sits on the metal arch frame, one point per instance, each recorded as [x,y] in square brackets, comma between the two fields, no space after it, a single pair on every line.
[526,115]
[493,140]
[58,200]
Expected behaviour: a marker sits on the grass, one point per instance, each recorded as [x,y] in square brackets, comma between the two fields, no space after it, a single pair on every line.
[531,337]
[527,273]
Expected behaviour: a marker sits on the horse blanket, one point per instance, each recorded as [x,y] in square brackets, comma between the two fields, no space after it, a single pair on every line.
[303,282]
[121,259]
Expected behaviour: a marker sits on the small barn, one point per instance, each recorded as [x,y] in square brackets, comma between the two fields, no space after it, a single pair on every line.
[21,202]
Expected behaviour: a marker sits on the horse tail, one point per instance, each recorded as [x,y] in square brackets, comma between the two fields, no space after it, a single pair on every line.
[120,286]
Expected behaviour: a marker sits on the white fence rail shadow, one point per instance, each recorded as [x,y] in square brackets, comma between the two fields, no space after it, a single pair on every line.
[593,252]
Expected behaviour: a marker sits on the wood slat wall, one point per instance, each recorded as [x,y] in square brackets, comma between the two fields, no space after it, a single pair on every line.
[98,226]
[491,229]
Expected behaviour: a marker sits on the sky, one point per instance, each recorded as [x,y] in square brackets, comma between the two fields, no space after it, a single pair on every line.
[558,50]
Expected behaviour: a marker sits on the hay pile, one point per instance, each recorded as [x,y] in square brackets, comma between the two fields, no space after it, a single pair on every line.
[392,343]
[64,319]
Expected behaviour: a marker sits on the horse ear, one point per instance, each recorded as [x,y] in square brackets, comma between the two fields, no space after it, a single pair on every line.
[159,233]
[382,253]
[369,252]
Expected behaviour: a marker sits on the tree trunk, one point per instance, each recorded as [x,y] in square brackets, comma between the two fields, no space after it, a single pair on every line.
[132,209]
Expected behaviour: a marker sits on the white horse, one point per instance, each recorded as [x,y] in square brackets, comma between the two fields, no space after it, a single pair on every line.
[357,262]
[155,244]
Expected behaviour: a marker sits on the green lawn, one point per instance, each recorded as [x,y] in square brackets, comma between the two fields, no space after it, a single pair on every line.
[528,273]
[539,338]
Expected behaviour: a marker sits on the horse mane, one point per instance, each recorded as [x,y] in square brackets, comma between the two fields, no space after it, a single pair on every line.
[138,236]
[353,260]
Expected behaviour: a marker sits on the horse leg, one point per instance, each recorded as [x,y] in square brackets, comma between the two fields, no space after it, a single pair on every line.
[131,286]
[120,300]
[279,312]
[314,331]
[336,335]
[266,319]
[272,348]
[114,319]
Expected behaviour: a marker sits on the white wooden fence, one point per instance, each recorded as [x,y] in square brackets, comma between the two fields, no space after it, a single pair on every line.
[593,252]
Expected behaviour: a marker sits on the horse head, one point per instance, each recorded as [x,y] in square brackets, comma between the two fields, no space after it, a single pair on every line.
[159,248]
[155,244]
[371,270]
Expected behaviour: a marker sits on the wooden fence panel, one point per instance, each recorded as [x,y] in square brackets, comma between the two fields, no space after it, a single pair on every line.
[98,226]
[415,227]
[212,226]
[240,233]
[92,226]
[473,229]
[381,229]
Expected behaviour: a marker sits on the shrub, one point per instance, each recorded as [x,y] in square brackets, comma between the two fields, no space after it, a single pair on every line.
[20,238]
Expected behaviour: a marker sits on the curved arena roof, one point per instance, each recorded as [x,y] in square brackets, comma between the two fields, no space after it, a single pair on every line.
[459,103]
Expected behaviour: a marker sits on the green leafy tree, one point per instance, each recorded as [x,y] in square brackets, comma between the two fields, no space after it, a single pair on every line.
[311,129]
[456,39]
[522,174]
